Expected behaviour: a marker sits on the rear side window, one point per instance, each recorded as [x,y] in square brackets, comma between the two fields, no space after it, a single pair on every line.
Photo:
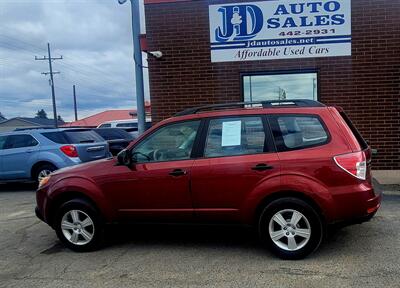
[57,137]
[235,136]
[113,134]
[82,136]
[292,132]
[20,141]
[357,134]
[73,136]
[107,125]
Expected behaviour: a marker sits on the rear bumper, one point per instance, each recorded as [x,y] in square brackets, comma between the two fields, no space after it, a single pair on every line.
[373,205]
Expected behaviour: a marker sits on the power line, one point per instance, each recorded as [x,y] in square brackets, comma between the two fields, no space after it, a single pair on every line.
[83,76]
[90,69]
[107,79]
[51,73]
[88,82]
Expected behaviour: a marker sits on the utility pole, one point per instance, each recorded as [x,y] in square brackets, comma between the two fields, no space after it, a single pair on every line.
[53,94]
[75,107]
[137,57]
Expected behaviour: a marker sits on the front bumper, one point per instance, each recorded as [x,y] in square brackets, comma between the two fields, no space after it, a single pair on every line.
[41,203]
[38,214]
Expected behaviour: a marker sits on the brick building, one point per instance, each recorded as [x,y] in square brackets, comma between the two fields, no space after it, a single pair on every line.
[365,82]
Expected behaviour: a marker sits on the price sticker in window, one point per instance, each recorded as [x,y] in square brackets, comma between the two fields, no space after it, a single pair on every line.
[231,133]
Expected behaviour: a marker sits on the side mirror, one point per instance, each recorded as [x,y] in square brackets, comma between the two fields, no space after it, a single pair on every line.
[124,158]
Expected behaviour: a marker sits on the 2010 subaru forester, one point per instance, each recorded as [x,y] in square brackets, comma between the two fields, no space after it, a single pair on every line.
[289,168]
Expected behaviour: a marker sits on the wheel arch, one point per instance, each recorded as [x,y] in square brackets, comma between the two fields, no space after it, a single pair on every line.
[38,164]
[69,187]
[288,194]
[62,198]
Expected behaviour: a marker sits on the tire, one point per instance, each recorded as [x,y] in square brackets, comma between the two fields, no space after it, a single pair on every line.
[70,227]
[42,171]
[291,228]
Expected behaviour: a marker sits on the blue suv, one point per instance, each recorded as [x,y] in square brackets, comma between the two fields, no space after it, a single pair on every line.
[32,154]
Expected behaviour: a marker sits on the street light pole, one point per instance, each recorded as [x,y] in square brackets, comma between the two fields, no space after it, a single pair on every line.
[137,57]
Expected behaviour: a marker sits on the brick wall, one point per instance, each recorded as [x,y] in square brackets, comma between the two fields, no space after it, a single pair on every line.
[366,85]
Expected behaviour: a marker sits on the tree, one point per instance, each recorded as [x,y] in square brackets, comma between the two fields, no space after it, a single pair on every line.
[60,119]
[41,114]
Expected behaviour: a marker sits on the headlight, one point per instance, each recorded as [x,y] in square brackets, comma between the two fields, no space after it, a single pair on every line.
[44,181]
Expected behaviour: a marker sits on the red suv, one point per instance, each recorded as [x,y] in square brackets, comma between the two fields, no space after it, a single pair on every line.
[289,168]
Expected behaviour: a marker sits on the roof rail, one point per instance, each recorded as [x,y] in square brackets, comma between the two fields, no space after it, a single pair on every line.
[265,104]
[34,128]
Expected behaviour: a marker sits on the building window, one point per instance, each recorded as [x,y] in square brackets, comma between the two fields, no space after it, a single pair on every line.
[280,86]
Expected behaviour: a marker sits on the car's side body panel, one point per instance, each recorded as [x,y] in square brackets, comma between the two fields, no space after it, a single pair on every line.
[222,185]
[148,191]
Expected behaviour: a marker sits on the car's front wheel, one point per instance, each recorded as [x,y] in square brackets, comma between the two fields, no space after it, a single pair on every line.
[291,228]
[79,226]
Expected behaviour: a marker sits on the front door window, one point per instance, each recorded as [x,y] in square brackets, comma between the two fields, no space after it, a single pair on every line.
[169,143]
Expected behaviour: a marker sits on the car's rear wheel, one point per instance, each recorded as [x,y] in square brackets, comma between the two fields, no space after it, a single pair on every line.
[79,226]
[43,171]
[291,228]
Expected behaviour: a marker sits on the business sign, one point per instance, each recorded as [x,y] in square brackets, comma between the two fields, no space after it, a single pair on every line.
[280,29]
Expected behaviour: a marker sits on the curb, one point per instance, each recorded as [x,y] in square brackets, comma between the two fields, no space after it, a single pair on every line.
[386,189]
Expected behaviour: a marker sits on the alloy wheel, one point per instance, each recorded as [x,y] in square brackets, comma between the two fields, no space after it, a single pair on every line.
[289,229]
[43,174]
[77,227]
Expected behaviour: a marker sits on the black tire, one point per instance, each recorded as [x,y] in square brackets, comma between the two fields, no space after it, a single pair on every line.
[311,221]
[84,209]
[43,167]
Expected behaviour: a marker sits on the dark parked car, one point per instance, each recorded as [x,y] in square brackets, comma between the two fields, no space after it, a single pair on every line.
[289,168]
[118,139]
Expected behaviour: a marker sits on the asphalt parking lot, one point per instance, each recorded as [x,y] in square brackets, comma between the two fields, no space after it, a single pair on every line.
[366,255]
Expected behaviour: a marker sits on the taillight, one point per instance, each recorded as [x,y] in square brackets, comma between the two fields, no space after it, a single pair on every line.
[353,163]
[69,150]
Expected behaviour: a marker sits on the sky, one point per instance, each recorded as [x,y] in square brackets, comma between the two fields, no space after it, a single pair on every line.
[95,40]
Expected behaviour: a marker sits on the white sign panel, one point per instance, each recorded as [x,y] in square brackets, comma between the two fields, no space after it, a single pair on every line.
[231,133]
[280,29]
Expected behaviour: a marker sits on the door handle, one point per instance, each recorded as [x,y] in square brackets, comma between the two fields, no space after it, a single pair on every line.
[177,172]
[262,167]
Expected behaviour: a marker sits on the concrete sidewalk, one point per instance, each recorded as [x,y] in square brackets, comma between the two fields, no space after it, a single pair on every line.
[387,177]
[386,189]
